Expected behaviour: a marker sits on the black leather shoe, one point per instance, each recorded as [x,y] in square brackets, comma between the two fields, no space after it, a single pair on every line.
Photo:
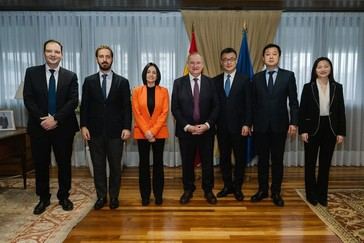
[100,203]
[41,207]
[158,201]
[322,202]
[114,203]
[66,204]
[210,198]
[239,196]
[224,192]
[145,202]
[186,196]
[277,200]
[259,196]
[312,201]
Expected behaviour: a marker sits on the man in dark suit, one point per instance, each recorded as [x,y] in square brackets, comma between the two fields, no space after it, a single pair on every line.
[195,107]
[51,97]
[271,121]
[4,123]
[233,123]
[105,124]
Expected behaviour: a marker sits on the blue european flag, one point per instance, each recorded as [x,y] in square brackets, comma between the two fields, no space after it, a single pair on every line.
[244,66]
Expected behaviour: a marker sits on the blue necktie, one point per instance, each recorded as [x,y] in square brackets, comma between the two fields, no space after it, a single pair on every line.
[270,82]
[52,106]
[227,85]
[104,85]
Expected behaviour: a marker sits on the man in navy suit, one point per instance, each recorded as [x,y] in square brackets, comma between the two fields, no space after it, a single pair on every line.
[105,123]
[271,121]
[233,123]
[51,97]
[195,107]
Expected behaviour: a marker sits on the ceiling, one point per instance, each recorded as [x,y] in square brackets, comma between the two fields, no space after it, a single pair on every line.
[176,5]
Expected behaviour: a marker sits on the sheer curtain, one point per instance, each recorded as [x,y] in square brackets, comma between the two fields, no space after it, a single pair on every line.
[304,37]
[136,38]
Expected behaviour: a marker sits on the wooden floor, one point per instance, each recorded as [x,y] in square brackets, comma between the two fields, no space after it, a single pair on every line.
[198,221]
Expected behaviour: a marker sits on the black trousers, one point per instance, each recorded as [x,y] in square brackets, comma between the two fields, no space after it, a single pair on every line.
[102,148]
[322,145]
[144,168]
[41,153]
[229,143]
[188,146]
[270,147]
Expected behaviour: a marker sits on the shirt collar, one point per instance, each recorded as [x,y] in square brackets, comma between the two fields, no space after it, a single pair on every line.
[192,77]
[56,69]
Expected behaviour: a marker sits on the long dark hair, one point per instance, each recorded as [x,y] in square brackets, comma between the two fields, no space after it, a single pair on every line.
[314,74]
[145,70]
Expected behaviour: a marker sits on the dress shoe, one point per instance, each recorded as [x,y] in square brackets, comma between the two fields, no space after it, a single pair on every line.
[41,207]
[158,201]
[224,192]
[259,196]
[210,198]
[145,201]
[186,196]
[239,196]
[322,202]
[277,200]
[100,203]
[312,201]
[66,204]
[114,203]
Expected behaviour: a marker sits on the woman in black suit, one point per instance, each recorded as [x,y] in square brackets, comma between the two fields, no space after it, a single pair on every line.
[322,125]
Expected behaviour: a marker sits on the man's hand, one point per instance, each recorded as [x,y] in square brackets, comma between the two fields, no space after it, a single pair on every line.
[200,129]
[245,131]
[85,133]
[304,137]
[292,130]
[339,139]
[48,122]
[125,134]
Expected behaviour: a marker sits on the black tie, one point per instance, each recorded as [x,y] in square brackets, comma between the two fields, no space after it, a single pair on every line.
[52,106]
[104,85]
[270,82]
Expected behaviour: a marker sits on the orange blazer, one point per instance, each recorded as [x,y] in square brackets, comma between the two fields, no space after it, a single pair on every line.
[157,123]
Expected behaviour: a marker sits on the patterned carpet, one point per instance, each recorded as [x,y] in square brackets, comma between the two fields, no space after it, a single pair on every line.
[344,214]
[17,222]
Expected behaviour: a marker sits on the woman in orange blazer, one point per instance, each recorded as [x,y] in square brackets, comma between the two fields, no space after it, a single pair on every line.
[150,103]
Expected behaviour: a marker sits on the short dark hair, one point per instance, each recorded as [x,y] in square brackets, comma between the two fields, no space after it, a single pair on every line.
[104,47]
[228,50]
[271,45]
[52,41]
[145,70]
[314,74]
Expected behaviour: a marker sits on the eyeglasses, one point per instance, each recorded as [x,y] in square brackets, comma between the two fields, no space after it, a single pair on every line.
[230,60]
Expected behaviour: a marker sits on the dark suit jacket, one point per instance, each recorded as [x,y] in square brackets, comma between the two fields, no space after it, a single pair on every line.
[36,101]
[309,112]
[235,110]
[271,110]
[182,104]
[111,115]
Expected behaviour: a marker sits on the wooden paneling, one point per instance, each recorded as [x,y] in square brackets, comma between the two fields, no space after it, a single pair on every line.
[227,221]
[169,5]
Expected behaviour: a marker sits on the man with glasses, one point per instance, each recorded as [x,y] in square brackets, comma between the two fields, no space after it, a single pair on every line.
[233,123]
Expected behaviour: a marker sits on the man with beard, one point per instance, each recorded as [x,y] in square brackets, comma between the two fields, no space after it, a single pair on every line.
[105,123]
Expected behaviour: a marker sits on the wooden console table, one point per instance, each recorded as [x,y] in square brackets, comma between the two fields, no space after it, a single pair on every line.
[13,149]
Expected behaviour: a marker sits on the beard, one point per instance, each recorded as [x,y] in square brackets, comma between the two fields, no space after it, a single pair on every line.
[105,66]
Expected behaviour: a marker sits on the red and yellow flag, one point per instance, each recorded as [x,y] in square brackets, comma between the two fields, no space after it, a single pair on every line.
[193,49]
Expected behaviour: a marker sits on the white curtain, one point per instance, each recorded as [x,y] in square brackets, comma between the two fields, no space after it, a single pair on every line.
[139,37]
[304,37]
[135,37]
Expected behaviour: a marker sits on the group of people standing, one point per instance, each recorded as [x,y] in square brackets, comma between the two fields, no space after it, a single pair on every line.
[228,105]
